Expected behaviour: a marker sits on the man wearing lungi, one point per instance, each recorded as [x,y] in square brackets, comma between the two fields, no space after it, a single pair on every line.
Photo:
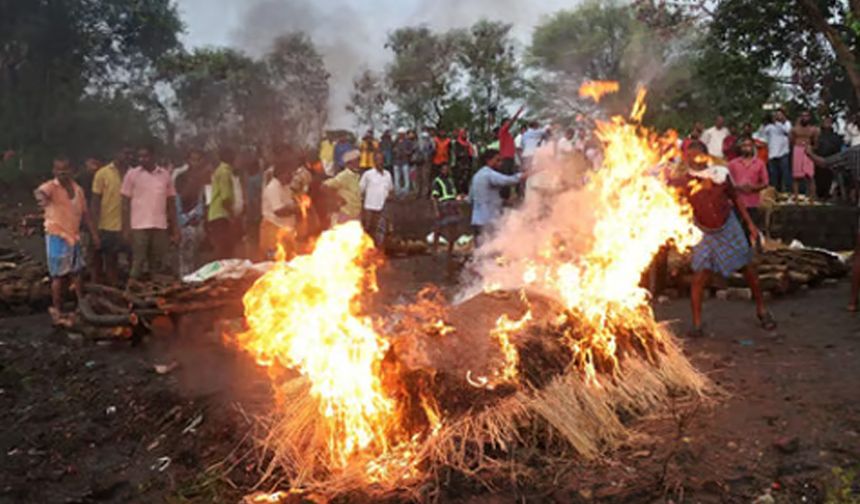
[723,248]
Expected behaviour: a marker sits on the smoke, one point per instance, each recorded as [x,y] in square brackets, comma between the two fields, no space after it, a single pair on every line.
[553,225]
[351,35]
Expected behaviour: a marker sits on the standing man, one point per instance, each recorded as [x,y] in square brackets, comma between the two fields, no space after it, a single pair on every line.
[532,138]
[484,194]
[507,147]
[803,134]
[723,248]
[829,144]
[749,175]
[375,187]
[189,181]
[278,225]
[221,206]
[446,209]
[347,192]
[776,132]
[714,137]
[106,211]
[425,152]
[65,207]
[386,148]
[327,155]
[464,155]
[442,155]
[731,144]
[404,149]
[367,151]
[149,215]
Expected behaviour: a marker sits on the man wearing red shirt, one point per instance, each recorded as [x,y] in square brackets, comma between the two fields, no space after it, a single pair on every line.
[723,248]
[749,174]
[507,149]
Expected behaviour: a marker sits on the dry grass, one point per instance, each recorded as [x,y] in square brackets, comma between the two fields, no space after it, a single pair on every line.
[567,414]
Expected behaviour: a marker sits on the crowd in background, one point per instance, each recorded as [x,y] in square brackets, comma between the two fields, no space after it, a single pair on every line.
[224,204]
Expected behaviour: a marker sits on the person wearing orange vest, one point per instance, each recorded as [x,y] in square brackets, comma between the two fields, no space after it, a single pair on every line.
[442,155]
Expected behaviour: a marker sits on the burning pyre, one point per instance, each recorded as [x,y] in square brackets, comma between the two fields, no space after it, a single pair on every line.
[380,403]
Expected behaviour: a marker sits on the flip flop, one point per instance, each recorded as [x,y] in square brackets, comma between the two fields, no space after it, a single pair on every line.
[696,332]
[767,321]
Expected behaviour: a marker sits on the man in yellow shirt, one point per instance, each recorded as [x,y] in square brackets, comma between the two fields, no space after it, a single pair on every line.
[346,186]
[106,211]
[327,155]
[220,214]
[367,151]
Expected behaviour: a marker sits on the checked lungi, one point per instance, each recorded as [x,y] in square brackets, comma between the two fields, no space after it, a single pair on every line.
[723,250]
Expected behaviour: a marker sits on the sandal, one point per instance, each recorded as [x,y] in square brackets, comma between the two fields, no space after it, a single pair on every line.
[767,321]
[696,332]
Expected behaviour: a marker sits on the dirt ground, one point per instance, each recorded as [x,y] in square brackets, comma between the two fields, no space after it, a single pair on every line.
[88,422]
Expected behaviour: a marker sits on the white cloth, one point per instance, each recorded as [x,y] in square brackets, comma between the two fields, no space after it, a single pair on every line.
[275,197]
[531,140]
[238,196]
[717,174]
[375,187]
[713,138]
[776,135]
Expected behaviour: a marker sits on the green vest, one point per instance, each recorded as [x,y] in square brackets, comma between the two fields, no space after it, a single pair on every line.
[444,189]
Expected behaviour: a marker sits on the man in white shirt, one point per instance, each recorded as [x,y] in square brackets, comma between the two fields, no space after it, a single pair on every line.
[375,186]
[278,223]
[776,132]
[531,140]
[714,137]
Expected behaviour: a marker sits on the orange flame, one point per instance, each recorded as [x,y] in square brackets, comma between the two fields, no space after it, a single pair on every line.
[304,203]
[597,89]
[305,314]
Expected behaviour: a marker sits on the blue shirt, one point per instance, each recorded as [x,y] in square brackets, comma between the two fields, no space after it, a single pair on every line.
[486,201]
[340,149]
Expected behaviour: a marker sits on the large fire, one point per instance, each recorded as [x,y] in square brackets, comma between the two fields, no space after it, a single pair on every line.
[307,315]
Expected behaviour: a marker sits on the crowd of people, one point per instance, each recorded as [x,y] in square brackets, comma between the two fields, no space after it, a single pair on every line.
[224,204]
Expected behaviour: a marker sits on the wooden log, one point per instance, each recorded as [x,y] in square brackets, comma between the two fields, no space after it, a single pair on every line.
[89,315]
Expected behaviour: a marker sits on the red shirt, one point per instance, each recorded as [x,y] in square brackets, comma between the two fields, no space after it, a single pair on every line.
[729,150]
[506,143]
[443,151]
[711,202]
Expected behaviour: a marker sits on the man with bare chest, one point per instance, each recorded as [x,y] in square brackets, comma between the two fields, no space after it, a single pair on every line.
[803,134]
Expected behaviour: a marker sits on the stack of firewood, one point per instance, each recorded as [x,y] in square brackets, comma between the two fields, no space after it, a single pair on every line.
[24,282]
[397,246]
[780,271]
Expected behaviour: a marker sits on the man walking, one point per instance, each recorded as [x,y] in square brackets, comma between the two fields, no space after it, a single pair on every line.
[149,215]
[723,248]
[65,207]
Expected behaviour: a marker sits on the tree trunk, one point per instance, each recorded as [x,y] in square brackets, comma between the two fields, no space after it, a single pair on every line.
[843,52]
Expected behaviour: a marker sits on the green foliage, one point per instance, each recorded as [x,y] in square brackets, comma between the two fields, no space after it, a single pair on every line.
[65,68]
[422,75]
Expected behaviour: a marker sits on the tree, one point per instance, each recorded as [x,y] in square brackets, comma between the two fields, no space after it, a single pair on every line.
[58,56]
[488,56]
[367,100]
[423,72]
[592,41]
[298,75]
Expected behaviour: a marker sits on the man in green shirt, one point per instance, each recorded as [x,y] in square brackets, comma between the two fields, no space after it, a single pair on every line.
[220,213]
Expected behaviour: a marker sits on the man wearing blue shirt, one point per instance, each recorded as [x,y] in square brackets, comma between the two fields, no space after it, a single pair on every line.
[486,201]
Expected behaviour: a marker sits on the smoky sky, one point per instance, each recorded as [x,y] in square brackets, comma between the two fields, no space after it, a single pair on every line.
[350,34]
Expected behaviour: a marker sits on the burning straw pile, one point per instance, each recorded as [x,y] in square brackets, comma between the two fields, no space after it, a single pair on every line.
[549,348]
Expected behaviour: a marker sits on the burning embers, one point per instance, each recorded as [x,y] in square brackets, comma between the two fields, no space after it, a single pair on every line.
[570,342]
